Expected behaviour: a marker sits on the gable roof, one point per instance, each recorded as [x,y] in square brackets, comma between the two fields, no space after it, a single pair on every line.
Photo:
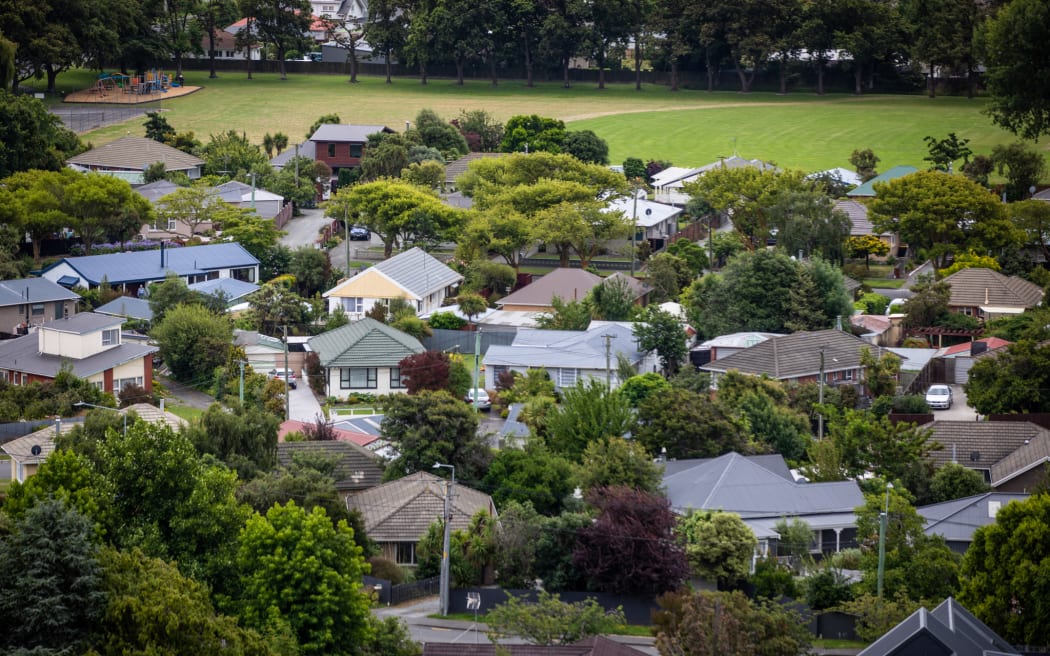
[565,283]
[458,167]
[23,354]
[980,286]
[145,266]
[956,520]
[356,468]
[1035,452]
[32,448]
[364,343]
[156,190]
[135,154]
[231,289]
[797,355]
[966,348]
[403,510]
[636,287]
[307,149]
[127,306]
[949,629]
[580,349]
[346,132]
[152,414]
[417,272]
[737,484]
[860,223]
[979,444]
[868,188]
[33,290]
[647,213]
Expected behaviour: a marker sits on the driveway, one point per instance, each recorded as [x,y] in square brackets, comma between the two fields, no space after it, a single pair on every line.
[302,404]
[959,411]
[303,230]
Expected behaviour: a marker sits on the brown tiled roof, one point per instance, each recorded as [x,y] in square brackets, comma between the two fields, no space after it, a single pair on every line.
[135,154]
[797,355]
[1032,454]
[358,468]
[154,415]
[978,286]
[21,449]
[403,510]
[979,444]
[568,284]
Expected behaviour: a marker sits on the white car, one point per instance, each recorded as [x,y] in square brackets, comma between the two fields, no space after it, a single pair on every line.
[484,402]
[939,397]
[287,375]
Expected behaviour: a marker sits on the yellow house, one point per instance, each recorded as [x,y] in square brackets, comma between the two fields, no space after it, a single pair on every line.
[414,276]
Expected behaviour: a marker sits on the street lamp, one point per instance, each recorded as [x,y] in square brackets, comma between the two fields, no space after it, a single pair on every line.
[883,519]
[103,407]
[448,534]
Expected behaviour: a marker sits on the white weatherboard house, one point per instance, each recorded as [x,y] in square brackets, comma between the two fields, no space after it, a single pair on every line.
[363,357]
[414,276]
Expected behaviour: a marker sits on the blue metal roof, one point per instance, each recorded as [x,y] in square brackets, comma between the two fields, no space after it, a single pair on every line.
[145,266]
[127,306]
[230,288]
[33,290]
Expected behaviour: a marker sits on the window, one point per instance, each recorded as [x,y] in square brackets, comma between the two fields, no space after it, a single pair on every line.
[120,383]
[111,337]
[38,309]
[247,274]
[848,374]
[355,150]
[354,305]
[567,377]
[357,378]
[173,225]
[60,309]
[395,378]
[406,553]
[331,150]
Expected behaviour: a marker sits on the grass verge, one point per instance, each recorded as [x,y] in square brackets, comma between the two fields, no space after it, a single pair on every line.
[622,629]
[186,412]
[885,283]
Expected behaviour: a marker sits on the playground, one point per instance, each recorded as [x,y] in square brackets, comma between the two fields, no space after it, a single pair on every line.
[121,89]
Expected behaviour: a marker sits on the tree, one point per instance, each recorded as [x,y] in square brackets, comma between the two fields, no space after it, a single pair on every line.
[296,566]
[612,300]
[198,207]
[33,138]
[282,24]
[193,341]
[807,222]
[614,461]
[874,444]
[668,275]
[431,130]
[719,545]
[944,152]
[1013,40]
[685,424]
[258,236]
[158,128]
[954,481]
[660,331]
[571,315]
[727,623]
[51,594]
[312,269]
[941,214]
[640,387]
[481,130]
[1014,381]
[103,206]
[1022,166]
[428,370]
[578,223]
[880,373]
[232,155]
[586,146]
[589,411]
[386,30]
[928,304]
[865,161]
[549,620]
[237,434]
[472,305]
[532,475]
[540,133]
[431,427]
[630,547]
[35,201]
[865,246]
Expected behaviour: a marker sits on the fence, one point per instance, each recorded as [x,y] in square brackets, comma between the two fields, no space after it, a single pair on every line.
[392,595]
[81,119]
[637,610]
[282,217]
[463,341]
[601,265]
[16,429]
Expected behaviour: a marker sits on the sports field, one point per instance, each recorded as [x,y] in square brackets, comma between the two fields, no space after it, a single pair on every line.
[687,127]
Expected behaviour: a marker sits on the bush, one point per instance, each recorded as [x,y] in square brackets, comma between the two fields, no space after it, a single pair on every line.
[773,580]
[384,568]
[446,321]
[314,373]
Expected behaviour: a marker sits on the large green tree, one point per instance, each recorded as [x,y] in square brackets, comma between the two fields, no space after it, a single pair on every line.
[719,545]
[530,475]
[1018,76]
[193,341]
[589,411]
[32,137]
[683,424]
[1016,380]
[549,620]
[663,333]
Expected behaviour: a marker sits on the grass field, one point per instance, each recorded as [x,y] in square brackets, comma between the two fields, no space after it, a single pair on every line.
[687,127]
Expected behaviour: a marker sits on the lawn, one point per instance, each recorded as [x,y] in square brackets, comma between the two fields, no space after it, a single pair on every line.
[687,127]
[186,412]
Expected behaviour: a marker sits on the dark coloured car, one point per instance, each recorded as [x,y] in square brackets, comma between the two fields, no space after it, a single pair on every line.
[357,233]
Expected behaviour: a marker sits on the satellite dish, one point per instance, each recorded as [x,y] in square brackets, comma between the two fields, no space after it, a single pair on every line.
[35,450]
[648,211]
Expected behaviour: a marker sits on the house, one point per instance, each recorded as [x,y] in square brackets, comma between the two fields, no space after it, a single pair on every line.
[763,492]
[261,351]
[232,291]
[961,357]
[880,329]
[130,156]
[569,355]
[564,283]
[363,440]
[363,356]
[131,270]
[225,48]
[29,302]
[356,468]
[397,514]
[1011,455]
[947,630]
[593,646]
[860,225]
[30,451]
[985,294]
[668,185]
[342,146]
[89,344]
[414,276]
[726,345]
[128,307]
[801,357]
[867,190]
[956,520]
[264,203]
[657,222]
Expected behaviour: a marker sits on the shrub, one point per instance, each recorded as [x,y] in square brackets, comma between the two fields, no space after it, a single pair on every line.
[314,372]
[446,321]
[384,568]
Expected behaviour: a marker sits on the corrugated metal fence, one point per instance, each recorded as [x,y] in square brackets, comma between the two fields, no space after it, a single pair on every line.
[462,341]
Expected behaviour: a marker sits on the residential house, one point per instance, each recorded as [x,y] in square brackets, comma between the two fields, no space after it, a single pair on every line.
[956,520]
[414,276]
[89,344]
[801,357]
[725,345]
[1011,455]
[564,283]
[342,146]
[668,185]
[356,468]
[947,630]
[570,355]
[363,356]
[265,204]
[985,294]
[880,329]
[860,225]
[458,167]
[763,492]
[132,270]
[867,190]
[128,157]
[128,307]
[593,646]
[234,293]
[28,452]
[397,514]
[656,222]
[960,358]
[223,46]
[26,302]
[263,352]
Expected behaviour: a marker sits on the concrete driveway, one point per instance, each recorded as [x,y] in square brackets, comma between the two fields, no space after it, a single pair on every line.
[303,405]
[959,411]
[303,230]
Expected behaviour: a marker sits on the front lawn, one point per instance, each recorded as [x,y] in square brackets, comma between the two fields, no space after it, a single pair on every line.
[885,283]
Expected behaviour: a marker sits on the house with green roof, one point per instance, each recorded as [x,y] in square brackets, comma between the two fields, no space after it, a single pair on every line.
[867,190]
[363,356]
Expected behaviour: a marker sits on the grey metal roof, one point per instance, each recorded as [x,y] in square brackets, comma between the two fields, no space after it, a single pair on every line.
[230,288]
[364,343]
[956,520]
[370,424]
[797,355]
[255,338]
[565,348]
[156,190]
[343,132]
[962,621]
[567,284]
[135,154]
[33,290]
[127,306]
[307,149]
[419,272]
[145,266]
[773,462]
[356,469]
[23,354]
[83,323]
[735,484]
[949,629]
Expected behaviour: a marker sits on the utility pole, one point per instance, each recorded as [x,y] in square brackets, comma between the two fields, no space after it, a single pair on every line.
[448,536]
[477,365]
[634,223]
[241,395]
[287,387]
[820,398]
[346,227]
[608,360]
[883,521]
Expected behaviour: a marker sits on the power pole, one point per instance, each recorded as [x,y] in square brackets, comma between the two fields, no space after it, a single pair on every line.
[287,387]
[477,365]
[820,398]
[241,395]
[608,360]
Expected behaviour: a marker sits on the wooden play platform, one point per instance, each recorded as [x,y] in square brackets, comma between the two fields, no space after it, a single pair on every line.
[119,89]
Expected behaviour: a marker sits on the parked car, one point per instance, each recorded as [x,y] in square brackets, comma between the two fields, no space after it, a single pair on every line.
[357,233]
[287,375]
[939,397]
[484,402]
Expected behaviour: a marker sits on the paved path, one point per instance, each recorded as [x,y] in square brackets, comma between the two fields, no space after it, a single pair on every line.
[184,395]
[303,405]
[303,230]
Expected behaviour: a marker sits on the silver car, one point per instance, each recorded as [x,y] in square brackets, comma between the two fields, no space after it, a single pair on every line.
[939,397]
